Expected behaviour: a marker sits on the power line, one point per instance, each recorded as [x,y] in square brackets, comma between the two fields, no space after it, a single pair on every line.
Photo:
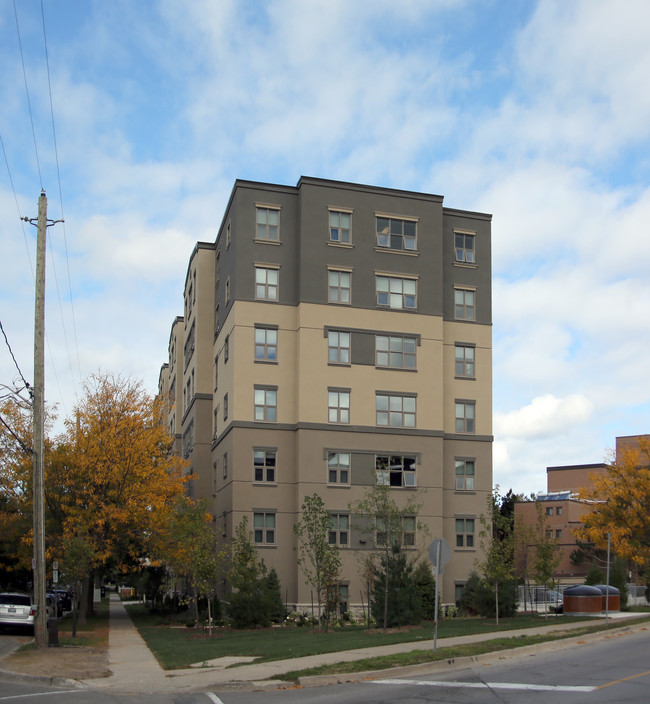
[29,105]
[11,352]
[65,239]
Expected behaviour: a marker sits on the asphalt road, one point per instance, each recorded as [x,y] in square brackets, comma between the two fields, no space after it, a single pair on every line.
[616,669]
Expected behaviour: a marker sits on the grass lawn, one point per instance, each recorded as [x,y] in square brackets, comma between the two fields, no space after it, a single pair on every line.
[177,647]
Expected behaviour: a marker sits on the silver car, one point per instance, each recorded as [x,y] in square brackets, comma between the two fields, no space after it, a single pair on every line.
[16,610]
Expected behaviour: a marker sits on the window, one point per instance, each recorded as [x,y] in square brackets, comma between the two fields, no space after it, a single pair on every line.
[216,372]
[394,233]
[266,344]
[228,235]
[215,423]
[465,475]
[464,247]
[338,406]
[338,344]
[338,467]
[464,304]
[264,466]
[224,524]
[225,465]
[558,511]
[396,292]
[339,529]
[225,406]
[267,224]
[395,352]
[266,404]
[549,510]
[464,532]
[227,290]
[558,533]
[549,533]
[395,410]
[465,412]
[338,286]
[403,534]
[264,528]
[340,226]
[395,470]
[464,355]
[344,598]
[226,349]
[215,469]
[266,283]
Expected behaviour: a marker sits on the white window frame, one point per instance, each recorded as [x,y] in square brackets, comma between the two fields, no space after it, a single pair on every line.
[391,407]
[338,406]
[465,417]
[264,527]
[339,232]
[263,468]
[396,292]
[462,253]
[465,304]
[390,351]
[338,346]
[396,470]
[464,361]
[265,404]
[338,468]
[268,348]
[265,230]
[465,537]
[389,229]
[267,283]
[339,531]
[337,290]
[465,473]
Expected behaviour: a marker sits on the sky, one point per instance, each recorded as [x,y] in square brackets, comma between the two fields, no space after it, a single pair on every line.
[137,117]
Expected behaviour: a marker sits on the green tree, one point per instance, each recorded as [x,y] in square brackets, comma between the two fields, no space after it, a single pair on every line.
[425,587]
[404,604]
[387,525]
[78,558]
[497,544]
[319,560]
[278,611]
[249,602]
[191,550]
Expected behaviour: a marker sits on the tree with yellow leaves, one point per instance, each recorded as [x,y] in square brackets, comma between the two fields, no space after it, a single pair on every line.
[112,478]
[621,505]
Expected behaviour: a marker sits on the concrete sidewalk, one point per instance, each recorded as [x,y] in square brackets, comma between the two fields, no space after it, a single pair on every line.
[134,668]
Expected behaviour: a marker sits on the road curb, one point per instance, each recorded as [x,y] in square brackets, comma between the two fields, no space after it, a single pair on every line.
[462,662]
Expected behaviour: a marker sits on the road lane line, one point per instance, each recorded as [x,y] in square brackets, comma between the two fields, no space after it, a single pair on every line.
[490,685]
[624,679]
[214,698]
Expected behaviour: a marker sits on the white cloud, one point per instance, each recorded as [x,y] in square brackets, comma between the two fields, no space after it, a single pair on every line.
[545,416]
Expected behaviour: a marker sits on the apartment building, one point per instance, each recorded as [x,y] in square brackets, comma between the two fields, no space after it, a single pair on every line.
[335,335]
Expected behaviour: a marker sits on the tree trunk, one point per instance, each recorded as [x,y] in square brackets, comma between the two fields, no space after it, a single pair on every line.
[496,594]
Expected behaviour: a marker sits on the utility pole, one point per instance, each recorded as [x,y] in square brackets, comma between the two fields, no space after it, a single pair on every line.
[40,625]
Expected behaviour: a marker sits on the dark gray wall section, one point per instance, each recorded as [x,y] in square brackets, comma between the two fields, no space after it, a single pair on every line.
[305,254]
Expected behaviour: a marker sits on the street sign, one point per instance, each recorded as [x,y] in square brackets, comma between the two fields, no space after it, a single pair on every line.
[55,576]
[445,554]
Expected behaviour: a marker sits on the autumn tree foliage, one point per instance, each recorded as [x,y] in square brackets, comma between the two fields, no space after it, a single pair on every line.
[112,477]
[620,499]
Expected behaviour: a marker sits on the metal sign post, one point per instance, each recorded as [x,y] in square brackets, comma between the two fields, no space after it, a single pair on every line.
[439,554]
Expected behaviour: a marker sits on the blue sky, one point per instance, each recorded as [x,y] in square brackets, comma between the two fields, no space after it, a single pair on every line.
[536,112]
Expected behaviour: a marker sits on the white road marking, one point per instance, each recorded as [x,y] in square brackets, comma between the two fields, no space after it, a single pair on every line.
[39,694]
[214,698]
[490,685]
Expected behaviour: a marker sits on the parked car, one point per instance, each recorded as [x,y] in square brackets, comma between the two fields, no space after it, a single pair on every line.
[553,596]
[65,597]
[17,611]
